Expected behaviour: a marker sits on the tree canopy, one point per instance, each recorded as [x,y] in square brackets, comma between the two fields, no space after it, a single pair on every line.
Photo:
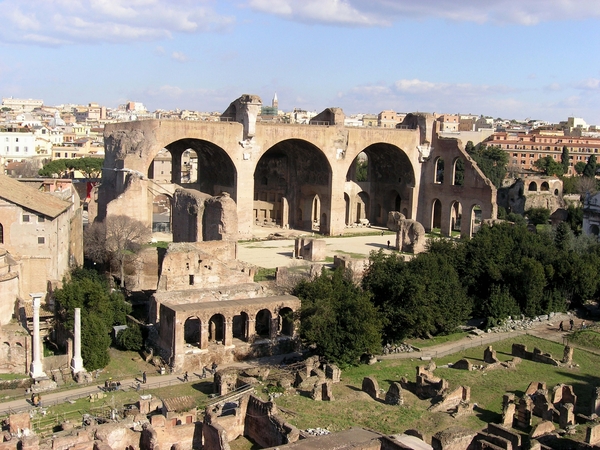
[492,161]
[589,170]
[549,166]
[89,167]
[338,318]
[564,159]
[101,309]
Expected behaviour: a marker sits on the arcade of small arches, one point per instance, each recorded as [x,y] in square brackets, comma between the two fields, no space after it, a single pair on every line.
[208,327]
[457,222]
[245,326]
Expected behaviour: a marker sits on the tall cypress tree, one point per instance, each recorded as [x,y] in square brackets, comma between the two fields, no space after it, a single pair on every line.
[565,159]
[590,167]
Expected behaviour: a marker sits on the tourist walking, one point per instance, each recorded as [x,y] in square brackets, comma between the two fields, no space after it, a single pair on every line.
[560,327]
[185,377]
[144,377]
[571,324]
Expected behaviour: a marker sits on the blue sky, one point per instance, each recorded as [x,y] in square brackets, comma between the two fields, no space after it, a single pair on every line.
[504,58]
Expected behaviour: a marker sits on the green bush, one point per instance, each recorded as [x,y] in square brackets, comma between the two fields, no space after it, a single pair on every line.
[130,338]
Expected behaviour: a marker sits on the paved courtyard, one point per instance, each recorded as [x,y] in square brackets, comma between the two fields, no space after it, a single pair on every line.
[278,252]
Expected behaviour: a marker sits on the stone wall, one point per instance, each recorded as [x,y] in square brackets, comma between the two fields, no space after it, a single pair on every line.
[265,427]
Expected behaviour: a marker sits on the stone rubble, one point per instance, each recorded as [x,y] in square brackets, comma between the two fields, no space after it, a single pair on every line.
[400,348]
[524,323]
[317,431]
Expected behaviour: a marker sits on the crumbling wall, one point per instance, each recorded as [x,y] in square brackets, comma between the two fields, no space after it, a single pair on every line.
[187,211]
[453,438]
[265,427]
[220,220]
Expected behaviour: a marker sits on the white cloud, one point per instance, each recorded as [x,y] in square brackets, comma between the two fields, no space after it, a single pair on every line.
[384,12]
[591,84]
[179,56]
[60,22]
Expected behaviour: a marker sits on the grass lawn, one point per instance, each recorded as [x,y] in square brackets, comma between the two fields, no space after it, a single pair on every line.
[436,340]
[352,407]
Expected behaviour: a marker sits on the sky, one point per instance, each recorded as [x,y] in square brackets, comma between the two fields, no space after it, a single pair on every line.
[514,59]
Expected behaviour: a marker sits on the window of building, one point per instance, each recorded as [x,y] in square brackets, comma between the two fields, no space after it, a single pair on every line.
[41,240]
[16,139]
[58,154]
[41,219]
[25,149]
[17,149]
[25,217]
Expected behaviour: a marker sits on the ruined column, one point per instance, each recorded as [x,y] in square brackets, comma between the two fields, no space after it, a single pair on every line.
[37,370]
[77,362]
[228,332]
[204,335]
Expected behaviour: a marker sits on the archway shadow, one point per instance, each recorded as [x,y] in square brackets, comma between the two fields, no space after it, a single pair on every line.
[206,387]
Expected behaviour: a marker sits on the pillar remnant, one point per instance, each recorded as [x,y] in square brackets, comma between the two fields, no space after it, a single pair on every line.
[37,370]
[77,362]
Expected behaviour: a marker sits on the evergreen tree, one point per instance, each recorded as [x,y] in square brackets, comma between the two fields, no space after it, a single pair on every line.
[590,168]
[338,318]
[565,159]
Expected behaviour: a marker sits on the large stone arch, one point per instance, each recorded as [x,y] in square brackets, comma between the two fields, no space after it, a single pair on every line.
[215,171]
[389,170]
[287,178]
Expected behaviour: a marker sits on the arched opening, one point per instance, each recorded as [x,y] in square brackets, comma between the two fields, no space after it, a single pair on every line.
[316,212]
[263,323]
[455,217]
[240,326]
[203,166]
[545,186]
[286,321]
[388,181]
[436,215]
[191,331]
[459,172]
[476,219]
[189,166]
[532,186]
[216,328]
[347,203]
[297,171]
[359,169]
[439,171]
[556,192]
[161,214]
[362,207]
[594,230]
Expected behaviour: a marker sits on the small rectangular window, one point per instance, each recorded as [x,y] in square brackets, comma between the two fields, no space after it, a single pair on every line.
[191,280]
[25,217]
[41,219]
[16,149]
[41,240]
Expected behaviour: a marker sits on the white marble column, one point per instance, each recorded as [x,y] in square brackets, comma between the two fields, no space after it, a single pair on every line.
[77,362]
[37,370]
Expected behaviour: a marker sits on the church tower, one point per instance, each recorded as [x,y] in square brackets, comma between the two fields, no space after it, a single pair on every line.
[275,103]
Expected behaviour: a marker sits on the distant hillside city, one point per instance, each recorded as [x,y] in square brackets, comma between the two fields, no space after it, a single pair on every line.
[33,133]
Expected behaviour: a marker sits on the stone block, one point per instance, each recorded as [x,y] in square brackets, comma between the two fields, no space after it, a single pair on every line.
[371,387]
[453,438]
[463,364]
[489,355]
[543,428]
[506,433]
[333,372]
[19,422]
[394,394]
[567,417]
[592,435]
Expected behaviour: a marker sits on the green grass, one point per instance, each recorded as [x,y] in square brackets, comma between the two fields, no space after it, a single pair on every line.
[159,244]
[353,408]
[586,338]
[263,274]
[436,340]
[12,376]
[350,254]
